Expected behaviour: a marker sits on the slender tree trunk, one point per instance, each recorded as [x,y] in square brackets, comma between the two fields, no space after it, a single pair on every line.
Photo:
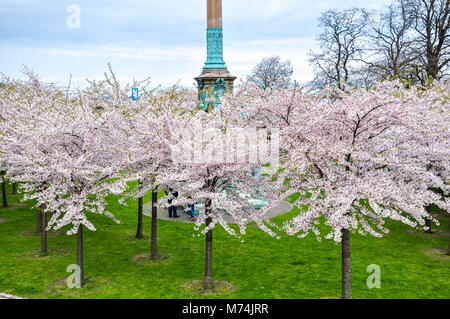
[14,188]
[208,283]
[154,234]
[428,221]
[140,231]
[80,254]
[39,222]
[5,199]
[428,224]
[346,268]
[448,250]
[44,250]
[346,260]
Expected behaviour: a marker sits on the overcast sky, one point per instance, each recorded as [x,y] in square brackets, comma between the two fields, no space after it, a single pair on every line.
[164,40]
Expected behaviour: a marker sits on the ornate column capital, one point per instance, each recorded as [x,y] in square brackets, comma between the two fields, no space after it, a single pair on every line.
[214,42]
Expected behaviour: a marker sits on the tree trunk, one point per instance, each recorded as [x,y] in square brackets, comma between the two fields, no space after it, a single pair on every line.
[44,250]
[39,222]
[448,251]
[208,283]
[140,231]
[80,254]
[5,199]
[428,224]
[154,234]
[14,188]
[346,268]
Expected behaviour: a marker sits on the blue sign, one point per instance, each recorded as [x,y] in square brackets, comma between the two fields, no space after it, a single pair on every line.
[134,94]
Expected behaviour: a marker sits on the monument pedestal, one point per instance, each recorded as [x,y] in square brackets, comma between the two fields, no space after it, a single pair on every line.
[213,83]
[210,77]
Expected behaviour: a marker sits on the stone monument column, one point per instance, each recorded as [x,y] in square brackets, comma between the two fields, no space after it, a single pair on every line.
[215,78]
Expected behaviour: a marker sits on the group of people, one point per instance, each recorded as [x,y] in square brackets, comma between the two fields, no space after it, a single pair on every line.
[173,208]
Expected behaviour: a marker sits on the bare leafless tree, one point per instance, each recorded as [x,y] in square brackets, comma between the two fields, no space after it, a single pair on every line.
[341,47]
[272,73]
[390,46]
[432,24]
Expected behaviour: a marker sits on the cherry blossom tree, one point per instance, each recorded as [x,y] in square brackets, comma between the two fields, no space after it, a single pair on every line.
[109,94]
[207,166]
[357,158]
[150,156]
[141,144]
[3,164]
[15,94]
[66,151]
[434,121]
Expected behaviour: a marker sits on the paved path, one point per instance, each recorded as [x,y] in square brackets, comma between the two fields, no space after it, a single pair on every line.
[163,213]
[7,296]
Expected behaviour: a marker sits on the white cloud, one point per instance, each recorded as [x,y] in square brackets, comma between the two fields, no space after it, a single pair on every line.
[168,64]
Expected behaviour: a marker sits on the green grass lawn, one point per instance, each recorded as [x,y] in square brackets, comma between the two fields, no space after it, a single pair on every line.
[260,267]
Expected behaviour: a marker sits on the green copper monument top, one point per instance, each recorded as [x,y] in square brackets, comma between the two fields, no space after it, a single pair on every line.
[215,79]
[214,58]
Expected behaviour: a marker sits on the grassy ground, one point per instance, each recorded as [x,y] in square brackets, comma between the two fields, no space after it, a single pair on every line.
[260,267]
